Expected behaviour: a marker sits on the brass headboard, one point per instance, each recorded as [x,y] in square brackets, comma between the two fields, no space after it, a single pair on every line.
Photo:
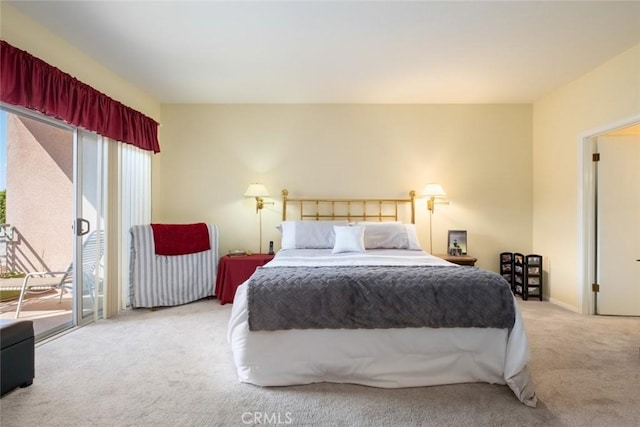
[349,209]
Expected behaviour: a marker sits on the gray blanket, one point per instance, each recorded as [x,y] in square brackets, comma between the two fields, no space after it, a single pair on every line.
[369,297]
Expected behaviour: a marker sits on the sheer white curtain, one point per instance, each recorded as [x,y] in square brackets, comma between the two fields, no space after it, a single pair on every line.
[135,206]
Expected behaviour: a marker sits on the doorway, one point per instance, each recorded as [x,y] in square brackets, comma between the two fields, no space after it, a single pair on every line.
[53,218]
[610,220]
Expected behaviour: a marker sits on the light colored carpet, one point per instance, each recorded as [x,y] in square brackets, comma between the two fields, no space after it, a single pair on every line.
[173,367]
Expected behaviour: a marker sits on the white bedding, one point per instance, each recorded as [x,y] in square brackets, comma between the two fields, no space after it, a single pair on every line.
[390,358]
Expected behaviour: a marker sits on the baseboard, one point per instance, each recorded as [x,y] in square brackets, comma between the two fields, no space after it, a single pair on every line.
[563,305]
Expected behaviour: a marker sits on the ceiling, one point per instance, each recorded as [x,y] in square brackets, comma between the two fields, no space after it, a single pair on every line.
[344,51]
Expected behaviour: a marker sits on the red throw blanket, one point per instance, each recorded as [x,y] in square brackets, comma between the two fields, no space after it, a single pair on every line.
[180,239]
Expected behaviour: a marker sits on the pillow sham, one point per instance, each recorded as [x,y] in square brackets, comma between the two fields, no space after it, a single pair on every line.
[348,239]
[391,235]
[375,222]
[309,234]
[412,235]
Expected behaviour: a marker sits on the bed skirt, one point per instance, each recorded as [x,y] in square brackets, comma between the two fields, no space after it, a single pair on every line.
[388,358]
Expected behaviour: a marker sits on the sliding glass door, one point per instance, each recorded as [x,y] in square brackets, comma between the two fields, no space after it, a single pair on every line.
[38,178]
[54,219]
[89,226]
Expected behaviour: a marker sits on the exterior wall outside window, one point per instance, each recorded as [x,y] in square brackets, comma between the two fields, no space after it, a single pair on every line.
[39,195]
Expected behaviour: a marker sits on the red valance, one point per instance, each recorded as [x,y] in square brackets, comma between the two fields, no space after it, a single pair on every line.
[29,82]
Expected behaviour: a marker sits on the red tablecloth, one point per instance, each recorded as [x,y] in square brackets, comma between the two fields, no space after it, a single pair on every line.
[233,271]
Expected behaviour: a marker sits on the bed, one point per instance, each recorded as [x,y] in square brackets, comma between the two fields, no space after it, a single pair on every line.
[351,298]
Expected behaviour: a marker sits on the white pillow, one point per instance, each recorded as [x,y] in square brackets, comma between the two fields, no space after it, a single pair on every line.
[309,234]
[412,234]
[375,222]
[386,235]
[348,239]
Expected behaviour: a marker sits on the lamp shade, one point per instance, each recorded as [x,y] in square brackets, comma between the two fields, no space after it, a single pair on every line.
[256,190]
[433,190]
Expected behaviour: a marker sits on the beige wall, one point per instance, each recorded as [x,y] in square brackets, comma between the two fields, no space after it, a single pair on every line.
[481,154]
[607,95]
[24,33]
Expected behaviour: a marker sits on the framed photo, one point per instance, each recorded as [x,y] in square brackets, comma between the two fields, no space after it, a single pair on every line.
[457,242]
[533,260]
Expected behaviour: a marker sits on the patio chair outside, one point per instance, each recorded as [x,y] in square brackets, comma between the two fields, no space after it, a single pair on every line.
[92,252]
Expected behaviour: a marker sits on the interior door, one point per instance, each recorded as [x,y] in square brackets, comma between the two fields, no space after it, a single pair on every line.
[618,225]
[89,226]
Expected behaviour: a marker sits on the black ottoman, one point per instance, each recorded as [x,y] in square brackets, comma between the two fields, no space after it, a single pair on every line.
[16,354]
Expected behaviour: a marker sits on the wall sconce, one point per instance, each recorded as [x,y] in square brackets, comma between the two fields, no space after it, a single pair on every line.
[433,192]
[258,191]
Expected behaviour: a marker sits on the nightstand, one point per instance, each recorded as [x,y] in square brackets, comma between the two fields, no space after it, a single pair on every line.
[233,271]
[460,260]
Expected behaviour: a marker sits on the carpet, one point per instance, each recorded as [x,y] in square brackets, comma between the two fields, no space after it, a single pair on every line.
[173,367]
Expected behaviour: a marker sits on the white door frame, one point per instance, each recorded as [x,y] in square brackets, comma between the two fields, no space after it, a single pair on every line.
[586,210]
